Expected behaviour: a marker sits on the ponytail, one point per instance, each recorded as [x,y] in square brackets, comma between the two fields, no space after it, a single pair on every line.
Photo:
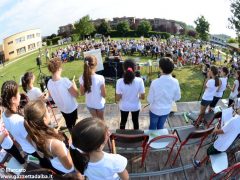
[90,63]
[214,70]
[217,81]
[129,68]
[80,160]
[26,80]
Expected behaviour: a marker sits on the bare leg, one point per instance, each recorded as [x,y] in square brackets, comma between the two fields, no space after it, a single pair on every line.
[100,114]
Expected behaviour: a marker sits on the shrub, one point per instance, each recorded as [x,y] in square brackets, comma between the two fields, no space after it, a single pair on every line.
[55,40]
[75,37]
[49,42]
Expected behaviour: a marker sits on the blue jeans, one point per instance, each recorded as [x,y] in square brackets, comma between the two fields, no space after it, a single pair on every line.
[157,122]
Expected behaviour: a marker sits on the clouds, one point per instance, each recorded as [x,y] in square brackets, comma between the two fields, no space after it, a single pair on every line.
[19,15]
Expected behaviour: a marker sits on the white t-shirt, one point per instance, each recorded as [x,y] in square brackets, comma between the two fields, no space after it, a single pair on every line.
[34,94]
[130,94]
[61,96]
[162,93]
[223,87]
[94,99]
[7,142]
[210,90]
[231,131]
[234,94]
[15,126]
[107,168]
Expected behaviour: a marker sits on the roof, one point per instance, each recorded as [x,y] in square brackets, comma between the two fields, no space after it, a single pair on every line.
[22,32]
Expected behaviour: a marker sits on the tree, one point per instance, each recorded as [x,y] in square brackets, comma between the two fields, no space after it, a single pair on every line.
[103,28]
[192,33]
[235,18]
[84,26]
[232,40]
[202,28]
[123,28]
[144,27]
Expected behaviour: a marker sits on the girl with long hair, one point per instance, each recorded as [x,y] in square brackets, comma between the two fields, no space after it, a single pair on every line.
[63,92]
[33,93]
[89,158]
[211,85]
[235,89]
[129,91]
[47,139]
[92,86]
[14,121]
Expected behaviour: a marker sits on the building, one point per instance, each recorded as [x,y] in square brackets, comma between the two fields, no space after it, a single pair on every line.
[219,39]
[67,29]
[22,43]
[115,21]
[97,22]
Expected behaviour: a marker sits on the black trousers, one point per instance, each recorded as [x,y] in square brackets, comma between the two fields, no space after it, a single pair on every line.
[16,154]
[124,116]
[44,162]
[70,119]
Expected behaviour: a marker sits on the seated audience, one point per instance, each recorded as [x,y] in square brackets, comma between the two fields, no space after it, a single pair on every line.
[47,139]
[162,93]
[129,90]
[92,86]
[89,137]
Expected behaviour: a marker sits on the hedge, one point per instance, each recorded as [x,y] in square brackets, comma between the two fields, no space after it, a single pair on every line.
[49,42]
[55,40]
[133,33]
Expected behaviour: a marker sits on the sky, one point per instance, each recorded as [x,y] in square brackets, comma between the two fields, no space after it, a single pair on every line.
[20,15]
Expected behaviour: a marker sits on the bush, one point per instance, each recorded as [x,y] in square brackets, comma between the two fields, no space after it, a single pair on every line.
[163,35]
[55,40]
[49,42]
[75,37]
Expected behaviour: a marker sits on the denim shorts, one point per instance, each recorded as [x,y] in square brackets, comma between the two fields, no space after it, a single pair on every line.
[205,102]
[92,109]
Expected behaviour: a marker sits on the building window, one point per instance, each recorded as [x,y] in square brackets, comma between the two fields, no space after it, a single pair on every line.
[10,42]
[30,36]
[21,39]
[10,53]
[38,34]
[31,46]
[38,44]
[21,50]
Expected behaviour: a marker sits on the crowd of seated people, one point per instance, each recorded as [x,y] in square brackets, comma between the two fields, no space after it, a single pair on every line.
[183,52]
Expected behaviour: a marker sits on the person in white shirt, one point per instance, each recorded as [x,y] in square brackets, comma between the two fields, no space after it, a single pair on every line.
[221,88]
[211,85]
[63,92]
[14,122]
[89,137]
[129,91]
[92,86]
[234,89]
[162,93]
[33,93]
[45,138]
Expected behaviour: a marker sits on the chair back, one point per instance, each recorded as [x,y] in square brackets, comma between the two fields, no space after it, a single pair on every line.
[163,141]
[200,133]
[232,172]
[129,138]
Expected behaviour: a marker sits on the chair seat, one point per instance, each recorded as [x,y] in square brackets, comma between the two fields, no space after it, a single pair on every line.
[219,162]
[155,133]
[14,166]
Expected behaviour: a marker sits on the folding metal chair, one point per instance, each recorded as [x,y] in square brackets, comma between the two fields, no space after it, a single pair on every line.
[129,139]
[232,172]
[191,135]
[160,142]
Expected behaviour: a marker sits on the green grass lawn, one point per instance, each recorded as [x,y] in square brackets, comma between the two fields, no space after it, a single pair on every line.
[190,78]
